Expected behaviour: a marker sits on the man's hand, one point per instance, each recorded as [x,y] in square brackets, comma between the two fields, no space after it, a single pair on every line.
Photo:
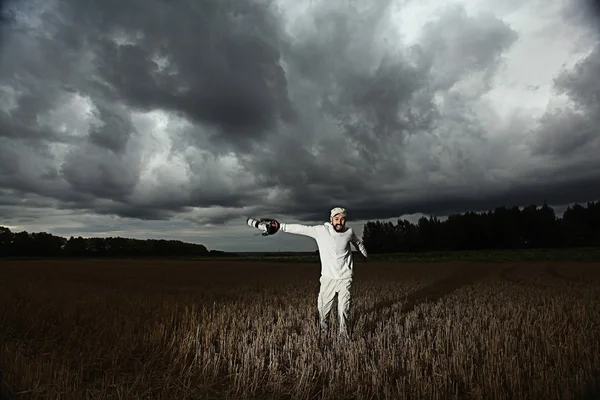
[272,226]
[269,226]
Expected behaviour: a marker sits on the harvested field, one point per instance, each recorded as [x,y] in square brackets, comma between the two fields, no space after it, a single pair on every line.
[222,329]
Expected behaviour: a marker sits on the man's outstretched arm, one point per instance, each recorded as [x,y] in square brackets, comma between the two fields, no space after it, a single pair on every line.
[358,243]
[299,229]
[272,226]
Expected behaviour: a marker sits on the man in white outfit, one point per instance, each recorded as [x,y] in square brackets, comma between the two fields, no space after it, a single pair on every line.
[337,266]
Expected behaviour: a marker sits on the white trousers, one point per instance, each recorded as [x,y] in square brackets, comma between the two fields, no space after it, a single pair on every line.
[329,288]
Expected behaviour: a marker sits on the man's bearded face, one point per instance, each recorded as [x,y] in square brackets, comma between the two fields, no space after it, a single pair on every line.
[339,222]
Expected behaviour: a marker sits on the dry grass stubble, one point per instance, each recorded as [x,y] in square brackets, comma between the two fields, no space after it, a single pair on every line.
[248,330]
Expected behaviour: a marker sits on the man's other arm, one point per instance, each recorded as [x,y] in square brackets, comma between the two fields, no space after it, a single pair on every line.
[358,243]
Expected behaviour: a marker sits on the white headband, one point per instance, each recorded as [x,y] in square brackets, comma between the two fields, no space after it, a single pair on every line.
[338,210]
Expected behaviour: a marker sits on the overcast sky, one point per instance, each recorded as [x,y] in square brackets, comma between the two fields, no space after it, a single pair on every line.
[156,119]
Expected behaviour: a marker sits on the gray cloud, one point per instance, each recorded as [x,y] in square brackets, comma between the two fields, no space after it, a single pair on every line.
[565,132]
[582,84]
[209,111]
[585,12]
[374,110]
[459,45]
[217,62]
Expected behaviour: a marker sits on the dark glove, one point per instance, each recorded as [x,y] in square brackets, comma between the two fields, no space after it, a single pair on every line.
[269,226]
[272,226]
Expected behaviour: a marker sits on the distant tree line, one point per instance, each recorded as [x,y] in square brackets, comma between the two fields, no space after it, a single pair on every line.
[502,228]
[42,244]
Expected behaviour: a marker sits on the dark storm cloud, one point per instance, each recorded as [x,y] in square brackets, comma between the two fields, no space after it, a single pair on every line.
[561,191]
[6,16]
[379,111]
[285,119]
[458,45]
[584,12]
[564,132]
[582,84]
[578,189]
[218,62]
[375,109]
[100,172]
[376,101]
[114,131]
[21,123]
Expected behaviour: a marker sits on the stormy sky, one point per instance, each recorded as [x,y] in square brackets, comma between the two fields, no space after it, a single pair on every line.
[177,120]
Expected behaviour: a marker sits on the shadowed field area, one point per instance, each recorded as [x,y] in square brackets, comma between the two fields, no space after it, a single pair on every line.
[93,329]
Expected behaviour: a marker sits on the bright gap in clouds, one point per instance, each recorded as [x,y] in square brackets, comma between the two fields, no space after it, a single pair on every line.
[165,172]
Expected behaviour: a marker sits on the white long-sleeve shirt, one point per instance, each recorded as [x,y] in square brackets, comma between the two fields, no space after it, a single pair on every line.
[334,247]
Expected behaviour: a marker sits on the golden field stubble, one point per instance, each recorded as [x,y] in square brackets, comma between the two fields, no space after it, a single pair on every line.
[181,330]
